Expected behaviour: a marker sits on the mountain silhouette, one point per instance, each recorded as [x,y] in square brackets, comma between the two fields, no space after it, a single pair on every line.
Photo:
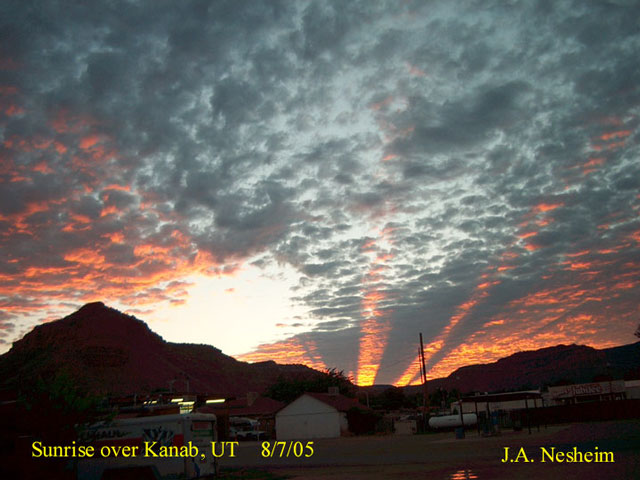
[561,364]
[106,351]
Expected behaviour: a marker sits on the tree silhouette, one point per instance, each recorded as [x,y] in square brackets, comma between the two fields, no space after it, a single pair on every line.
[53,409]
[286,390]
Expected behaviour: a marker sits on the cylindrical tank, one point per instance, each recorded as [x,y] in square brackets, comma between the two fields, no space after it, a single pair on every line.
[451,421]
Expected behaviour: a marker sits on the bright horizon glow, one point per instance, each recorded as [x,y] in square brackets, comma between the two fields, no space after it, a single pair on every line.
[234,313]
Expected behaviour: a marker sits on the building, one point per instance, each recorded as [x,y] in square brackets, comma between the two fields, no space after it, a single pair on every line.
[606,400]
[495,411]
[499,402]
[587,392]
[632,389]
[315,415]
[252,406]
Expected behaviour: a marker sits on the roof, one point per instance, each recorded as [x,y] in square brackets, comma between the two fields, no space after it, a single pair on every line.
[239,407]
[339,402]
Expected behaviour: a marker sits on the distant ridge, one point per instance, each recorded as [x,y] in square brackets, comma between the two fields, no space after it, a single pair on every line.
[107,351]
[561,364]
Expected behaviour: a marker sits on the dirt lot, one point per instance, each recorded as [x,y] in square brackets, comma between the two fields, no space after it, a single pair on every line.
[442,456]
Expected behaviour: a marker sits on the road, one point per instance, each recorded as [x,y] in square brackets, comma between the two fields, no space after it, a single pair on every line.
[442,456]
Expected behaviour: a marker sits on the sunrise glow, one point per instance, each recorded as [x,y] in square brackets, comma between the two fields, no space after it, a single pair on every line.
[241,178]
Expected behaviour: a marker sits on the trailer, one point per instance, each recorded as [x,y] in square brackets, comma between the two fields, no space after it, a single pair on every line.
[453,421]
[160,433]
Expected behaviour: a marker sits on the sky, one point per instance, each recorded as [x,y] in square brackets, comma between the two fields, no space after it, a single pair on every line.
[319,182]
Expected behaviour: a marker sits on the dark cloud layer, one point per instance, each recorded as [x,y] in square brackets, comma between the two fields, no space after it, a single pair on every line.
[467,169]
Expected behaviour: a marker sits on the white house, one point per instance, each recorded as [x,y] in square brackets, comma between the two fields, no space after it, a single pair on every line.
[314,415]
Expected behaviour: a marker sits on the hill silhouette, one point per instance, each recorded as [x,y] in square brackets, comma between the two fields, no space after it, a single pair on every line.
[561,364]
[106,351]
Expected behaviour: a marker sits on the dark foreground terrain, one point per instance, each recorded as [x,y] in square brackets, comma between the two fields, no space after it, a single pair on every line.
[442,456]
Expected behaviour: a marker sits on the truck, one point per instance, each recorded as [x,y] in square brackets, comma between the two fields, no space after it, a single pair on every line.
[158,431]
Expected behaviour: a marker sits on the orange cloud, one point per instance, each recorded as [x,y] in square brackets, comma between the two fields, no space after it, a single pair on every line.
[85,256]
[484,285]
[116,237]
[547,207]
[89,141]
[580,265]
[581,253]
[13,110]
[109,210]
[115,186]
[411,372]
[65,122]
[290,351]
[527,235]
[618,134]
[42,167]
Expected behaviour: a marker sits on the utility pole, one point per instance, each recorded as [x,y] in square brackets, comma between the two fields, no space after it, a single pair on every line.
[424,400]
[460,405]
[423,370]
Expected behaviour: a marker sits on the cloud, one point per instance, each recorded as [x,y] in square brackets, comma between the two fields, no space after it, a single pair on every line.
[423,168]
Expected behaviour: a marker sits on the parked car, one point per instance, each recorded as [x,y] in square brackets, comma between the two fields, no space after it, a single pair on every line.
[245,429]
